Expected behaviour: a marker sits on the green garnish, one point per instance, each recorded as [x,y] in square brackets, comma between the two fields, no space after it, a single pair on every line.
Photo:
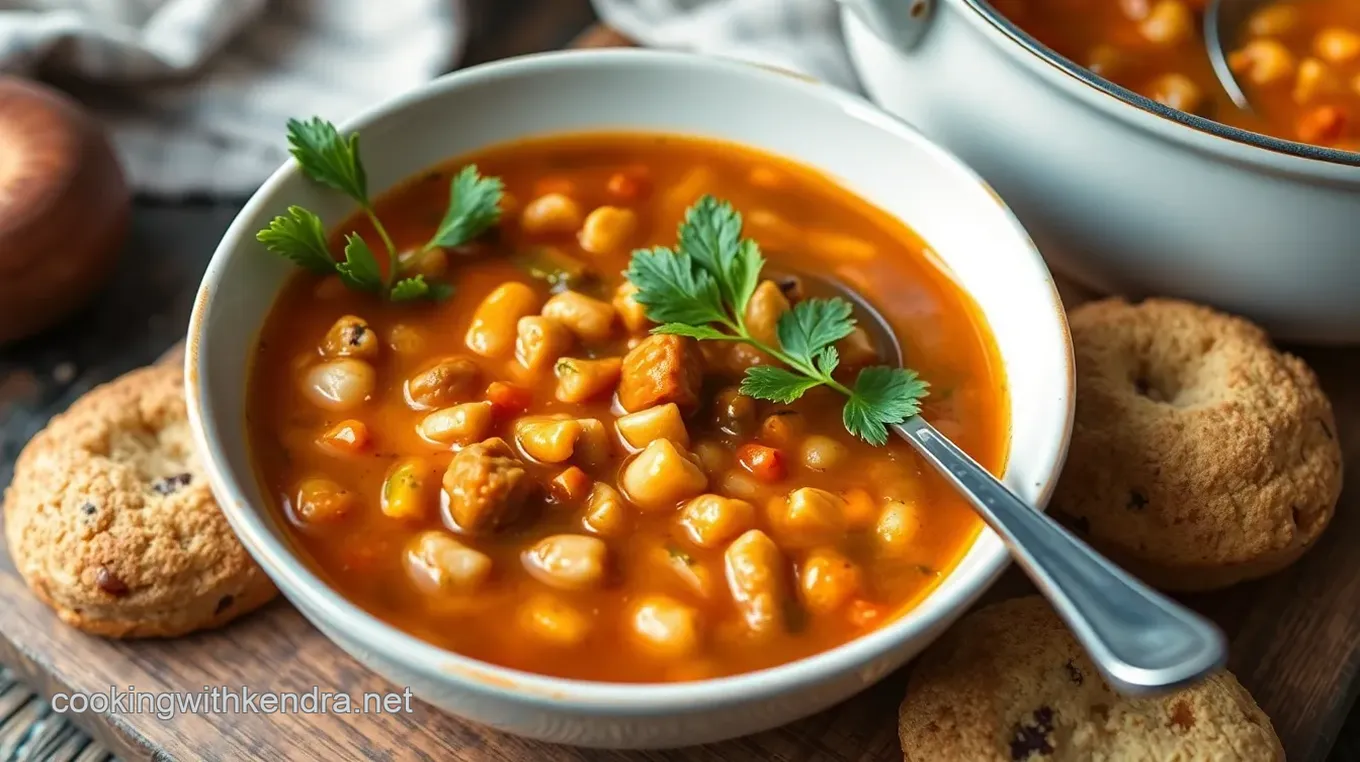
[701,289]
[333,160]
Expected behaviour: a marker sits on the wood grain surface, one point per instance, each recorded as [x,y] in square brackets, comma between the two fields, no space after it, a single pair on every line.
[1295,636]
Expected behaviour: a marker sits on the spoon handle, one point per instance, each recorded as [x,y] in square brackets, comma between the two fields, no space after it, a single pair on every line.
[1142,641]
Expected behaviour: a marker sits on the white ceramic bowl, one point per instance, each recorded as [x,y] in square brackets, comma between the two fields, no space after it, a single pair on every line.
[1120,192]
[873,154]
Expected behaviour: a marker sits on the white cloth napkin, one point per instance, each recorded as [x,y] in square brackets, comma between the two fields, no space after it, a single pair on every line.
[195,93]
[800,35]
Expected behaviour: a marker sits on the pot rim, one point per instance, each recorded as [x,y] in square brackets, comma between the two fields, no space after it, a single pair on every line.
[984,11]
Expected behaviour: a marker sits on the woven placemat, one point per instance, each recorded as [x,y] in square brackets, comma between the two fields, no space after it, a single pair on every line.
[31,732]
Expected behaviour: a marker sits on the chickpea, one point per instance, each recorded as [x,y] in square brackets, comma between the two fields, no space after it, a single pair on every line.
[406,490]
[606,515]
[897,527]
[1169,22]
[736,413]
[447,382]
[827,580]
[540,341]
[763,311]
[590,319]
[690,571]
[405,339]
[567,561]
[1336,45]
[782,428]
[1273,20]
[1262,62]
[438,563]
[350,336]
[665,626]
[861,510]
[756,576]
[1176,91]
[740,484]
[713,456]
[1106,60]
[711,520]
[494,324]
[550,213]
[661,476]
[554,621]
[339,385]
[460,424]
[321,501]
[650,424]
[579,380]
[808,516]
[1314,79]
[857,349]
[631,312]
[607,230]
[347,437]
[547,439]
[822,453]
[570,485]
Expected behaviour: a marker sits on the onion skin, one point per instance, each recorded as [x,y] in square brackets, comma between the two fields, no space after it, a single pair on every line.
[64,207]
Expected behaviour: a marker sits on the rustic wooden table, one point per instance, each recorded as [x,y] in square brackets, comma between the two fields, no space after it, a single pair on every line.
[143,311]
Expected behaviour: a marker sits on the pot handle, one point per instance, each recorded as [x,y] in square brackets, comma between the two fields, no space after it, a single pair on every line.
[900,23]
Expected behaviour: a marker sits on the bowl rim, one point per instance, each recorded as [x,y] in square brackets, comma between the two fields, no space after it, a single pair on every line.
[927,618]
[983,11]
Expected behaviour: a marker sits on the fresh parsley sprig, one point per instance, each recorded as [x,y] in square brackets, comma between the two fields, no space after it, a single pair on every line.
[701,289]
[333,160]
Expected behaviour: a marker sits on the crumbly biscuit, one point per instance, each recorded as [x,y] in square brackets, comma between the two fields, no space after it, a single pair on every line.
[111,521]
[1010,684]
[1201,456]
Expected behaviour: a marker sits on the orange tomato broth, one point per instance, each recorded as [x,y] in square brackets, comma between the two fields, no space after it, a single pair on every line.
[1309,92]
[940,329]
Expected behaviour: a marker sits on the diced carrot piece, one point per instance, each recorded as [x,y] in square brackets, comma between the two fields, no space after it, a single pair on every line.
[571,485]
[764,463]
[864,614]
[508,400]
[629,184]
[861,510]
[345,438]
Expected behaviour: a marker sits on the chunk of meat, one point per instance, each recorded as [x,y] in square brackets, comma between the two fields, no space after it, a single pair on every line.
[487,486]
[662,369]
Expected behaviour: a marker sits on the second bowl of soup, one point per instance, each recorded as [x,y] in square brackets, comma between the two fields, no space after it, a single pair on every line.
[469,456]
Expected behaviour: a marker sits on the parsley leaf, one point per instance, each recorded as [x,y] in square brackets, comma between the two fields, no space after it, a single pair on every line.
[301,238]
[674,289]
[360,269]
[814,324]
[767,382]
[882,396]
[474,206]
[328,158]
[701,290]
[410,289]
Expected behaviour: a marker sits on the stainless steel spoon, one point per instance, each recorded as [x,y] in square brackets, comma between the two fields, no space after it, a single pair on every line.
[1223,20]
[1142,641]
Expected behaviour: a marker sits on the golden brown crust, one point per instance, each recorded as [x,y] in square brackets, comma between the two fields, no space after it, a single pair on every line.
[111,521]
[1201,456]
[1009,683]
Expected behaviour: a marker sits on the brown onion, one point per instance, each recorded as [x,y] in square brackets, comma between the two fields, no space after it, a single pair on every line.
[64,207]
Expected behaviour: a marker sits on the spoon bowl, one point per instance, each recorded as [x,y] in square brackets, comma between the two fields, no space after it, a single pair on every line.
[1142,641]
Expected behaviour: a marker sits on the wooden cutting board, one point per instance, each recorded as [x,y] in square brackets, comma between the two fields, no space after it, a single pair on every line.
[1295,645]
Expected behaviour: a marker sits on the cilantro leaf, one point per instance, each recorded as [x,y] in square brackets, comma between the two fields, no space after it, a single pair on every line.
[360,269]
[744,274]
[674,289]
[328,158]
[301,238]
[692,331]
[711,234]
[474,206]
[768,382]
[882,396]
[409,289]
[813,325]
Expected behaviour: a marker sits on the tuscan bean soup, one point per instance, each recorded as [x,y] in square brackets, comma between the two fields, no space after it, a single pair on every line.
[1298,61]
[566,405]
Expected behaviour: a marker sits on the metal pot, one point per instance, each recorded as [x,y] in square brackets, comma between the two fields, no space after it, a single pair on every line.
[1120,192]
